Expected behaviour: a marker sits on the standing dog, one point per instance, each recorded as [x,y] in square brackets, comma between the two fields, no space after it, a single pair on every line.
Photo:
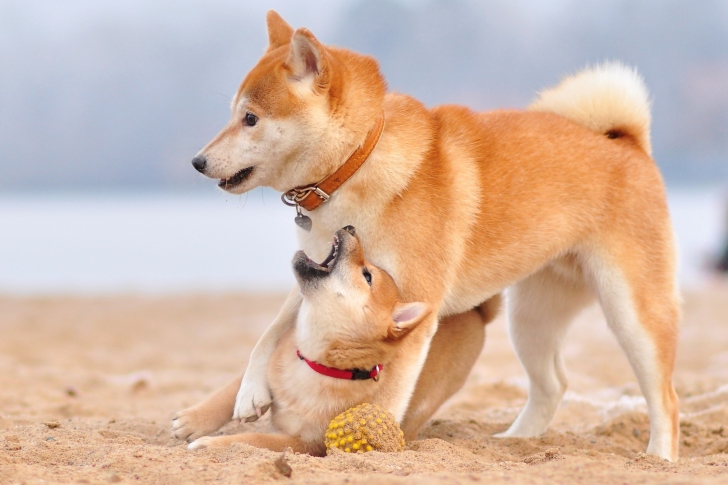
[561,203]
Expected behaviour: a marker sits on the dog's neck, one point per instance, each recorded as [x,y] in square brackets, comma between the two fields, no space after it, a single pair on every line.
[310,197]
[346,374]
[321,345]
[385,174]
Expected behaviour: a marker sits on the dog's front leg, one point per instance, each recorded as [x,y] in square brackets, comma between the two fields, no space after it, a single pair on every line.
[254,397]
[213,412]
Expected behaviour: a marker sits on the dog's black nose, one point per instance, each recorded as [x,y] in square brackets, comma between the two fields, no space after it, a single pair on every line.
[199,162]
[350,230]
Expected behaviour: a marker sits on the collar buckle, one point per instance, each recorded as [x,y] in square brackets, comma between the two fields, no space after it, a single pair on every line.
[360,375]
[377,368]
[294,196]
[324,196]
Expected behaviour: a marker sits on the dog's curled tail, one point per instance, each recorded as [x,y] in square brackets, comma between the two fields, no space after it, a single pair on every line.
[610,99]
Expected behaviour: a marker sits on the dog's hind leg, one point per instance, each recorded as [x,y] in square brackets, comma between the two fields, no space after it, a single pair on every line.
[641,305]
[453,351]
[273,442]
[540,309]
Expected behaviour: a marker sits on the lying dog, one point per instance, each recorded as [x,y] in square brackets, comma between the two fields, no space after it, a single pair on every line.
[561,203]
[351,317]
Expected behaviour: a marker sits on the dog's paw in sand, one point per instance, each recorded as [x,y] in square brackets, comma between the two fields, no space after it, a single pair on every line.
[202,443]
[524,428]
[191,423]
[252,401]
[511,434]
[218,441]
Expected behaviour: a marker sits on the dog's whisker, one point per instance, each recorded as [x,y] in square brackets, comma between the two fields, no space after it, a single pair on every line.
[223,95]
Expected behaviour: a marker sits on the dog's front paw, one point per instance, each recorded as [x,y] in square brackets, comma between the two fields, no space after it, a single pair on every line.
[252,401]
[192,423]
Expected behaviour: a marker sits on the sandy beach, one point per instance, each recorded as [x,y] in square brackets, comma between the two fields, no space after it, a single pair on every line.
[90,384]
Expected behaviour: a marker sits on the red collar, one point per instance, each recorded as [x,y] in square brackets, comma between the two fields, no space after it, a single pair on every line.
[349,374]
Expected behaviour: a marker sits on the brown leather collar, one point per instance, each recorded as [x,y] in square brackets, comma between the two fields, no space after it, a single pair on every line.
[311,196]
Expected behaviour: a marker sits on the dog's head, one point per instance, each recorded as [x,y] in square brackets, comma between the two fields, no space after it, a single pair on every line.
[351,314]
[298,114]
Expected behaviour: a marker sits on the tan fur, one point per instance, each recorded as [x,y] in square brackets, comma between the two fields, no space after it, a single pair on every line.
[608,98]
[558,203]
[453,352]
[373,331]
[441,377]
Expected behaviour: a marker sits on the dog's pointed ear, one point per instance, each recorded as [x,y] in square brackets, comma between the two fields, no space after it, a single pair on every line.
[279,32]
[406,316]
[307,60]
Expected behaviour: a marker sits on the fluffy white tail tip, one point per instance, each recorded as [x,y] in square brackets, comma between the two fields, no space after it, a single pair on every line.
[609,98]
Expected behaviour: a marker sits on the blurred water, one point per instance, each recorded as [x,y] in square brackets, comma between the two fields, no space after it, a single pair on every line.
[699,218]
[187,242]
[146,243]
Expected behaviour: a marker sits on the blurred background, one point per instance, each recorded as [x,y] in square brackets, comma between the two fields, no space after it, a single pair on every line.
[104,103]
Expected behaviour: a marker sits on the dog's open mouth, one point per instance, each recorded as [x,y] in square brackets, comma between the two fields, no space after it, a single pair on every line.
[235,180]
[307,268]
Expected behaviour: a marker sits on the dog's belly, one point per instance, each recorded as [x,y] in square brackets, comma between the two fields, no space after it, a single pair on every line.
[480,287]
[474,285]
[456,303]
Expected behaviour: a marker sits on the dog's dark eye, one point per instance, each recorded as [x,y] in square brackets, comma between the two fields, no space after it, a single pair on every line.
[367,276]
[250,119]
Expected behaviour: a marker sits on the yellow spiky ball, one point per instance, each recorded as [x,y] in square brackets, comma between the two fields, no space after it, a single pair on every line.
[366,427]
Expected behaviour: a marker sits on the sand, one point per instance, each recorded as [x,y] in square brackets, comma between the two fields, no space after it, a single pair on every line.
[89,386]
